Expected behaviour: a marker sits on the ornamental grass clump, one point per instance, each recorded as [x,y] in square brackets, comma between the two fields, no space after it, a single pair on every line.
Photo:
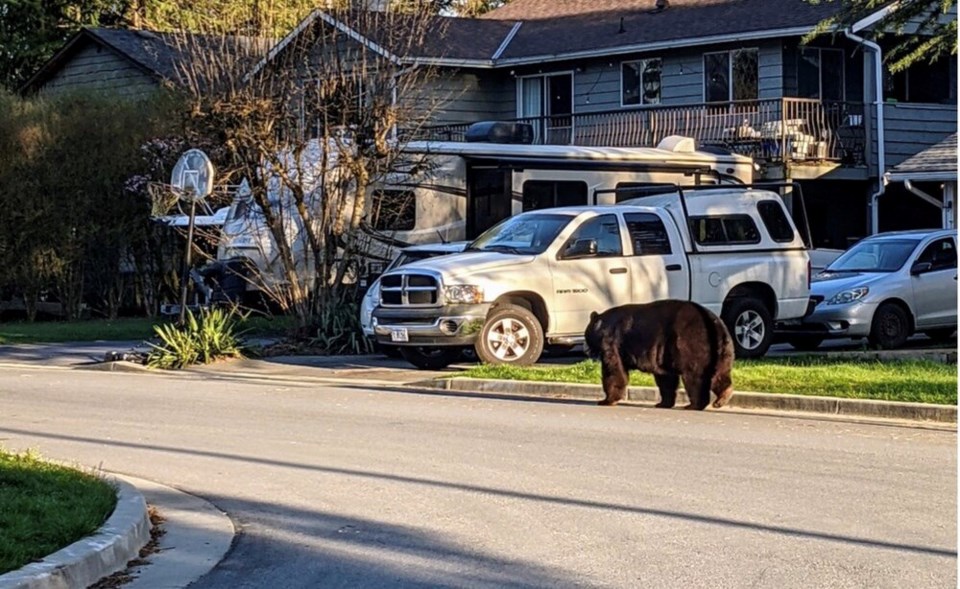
[203,338]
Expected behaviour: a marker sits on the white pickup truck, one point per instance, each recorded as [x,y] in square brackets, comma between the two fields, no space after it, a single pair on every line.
[534,279]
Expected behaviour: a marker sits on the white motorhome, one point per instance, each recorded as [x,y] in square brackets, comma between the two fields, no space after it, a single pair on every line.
[454,191]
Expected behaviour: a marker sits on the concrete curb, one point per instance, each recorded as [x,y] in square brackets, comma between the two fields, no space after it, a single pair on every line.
[87,561]
[197,535]
[834,406]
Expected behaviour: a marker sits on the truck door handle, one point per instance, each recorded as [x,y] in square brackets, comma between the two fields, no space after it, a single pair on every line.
[618,270]
[674,267]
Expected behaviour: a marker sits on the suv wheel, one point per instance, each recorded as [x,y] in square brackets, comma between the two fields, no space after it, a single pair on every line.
[750,325]
[430,358]
[890,327]
[511,335]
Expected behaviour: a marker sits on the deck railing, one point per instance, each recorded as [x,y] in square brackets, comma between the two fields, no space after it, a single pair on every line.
[777,130]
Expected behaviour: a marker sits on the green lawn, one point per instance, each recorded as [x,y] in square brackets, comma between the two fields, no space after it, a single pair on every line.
[45,507]
[913,380]
[137,328]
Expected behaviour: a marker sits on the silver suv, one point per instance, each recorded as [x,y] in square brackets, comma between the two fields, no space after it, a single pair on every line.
[885,288]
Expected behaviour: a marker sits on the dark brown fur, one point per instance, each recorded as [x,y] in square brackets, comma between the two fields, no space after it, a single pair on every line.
[673,340]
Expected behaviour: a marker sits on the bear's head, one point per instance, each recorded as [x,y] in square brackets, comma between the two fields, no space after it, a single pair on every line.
[593,337]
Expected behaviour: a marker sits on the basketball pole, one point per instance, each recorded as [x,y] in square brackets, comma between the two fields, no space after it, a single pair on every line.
[185,273]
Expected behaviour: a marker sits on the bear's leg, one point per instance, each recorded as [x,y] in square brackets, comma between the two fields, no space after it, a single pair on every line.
[698,390]
[723,389]
[614,380]
[667,383]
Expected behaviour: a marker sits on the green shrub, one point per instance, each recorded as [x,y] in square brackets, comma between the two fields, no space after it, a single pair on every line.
[339,331]
[211,336]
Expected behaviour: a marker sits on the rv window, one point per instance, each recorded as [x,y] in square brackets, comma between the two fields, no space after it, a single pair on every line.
[543,194]
[724,230]
[647,234]
[393,210]
[775,220]
[628,190]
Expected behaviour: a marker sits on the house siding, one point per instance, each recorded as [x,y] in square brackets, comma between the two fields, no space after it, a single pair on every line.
[597,82]
[95,68]
[464,96]
[911,128]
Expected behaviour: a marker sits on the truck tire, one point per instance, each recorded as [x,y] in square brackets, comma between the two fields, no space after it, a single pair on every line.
[430,357]
[750,326]
[890,327]
[511,335]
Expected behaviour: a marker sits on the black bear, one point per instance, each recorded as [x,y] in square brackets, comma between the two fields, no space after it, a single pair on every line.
[670,339]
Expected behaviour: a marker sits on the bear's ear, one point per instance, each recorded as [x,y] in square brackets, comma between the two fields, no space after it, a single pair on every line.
[593,316]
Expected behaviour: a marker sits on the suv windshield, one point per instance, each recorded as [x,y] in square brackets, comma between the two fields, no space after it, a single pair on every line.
[886,255]
[524,234]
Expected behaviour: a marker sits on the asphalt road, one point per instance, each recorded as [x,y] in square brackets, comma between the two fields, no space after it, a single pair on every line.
[350,487]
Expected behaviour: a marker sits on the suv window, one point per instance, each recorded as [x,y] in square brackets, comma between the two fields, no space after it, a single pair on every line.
[543,194]
[647,234]
[605,229]
[942,254]
[775,220]
[724,230]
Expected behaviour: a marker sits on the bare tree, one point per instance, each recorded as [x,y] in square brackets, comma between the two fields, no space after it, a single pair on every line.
[311,129]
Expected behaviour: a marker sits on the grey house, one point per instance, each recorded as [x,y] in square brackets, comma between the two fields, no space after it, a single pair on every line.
[731,73]
[129,63]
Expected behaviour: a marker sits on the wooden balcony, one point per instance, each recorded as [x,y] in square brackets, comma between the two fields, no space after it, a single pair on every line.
[792,131]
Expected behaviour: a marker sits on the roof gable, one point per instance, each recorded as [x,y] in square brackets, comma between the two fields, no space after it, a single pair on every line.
[159,55]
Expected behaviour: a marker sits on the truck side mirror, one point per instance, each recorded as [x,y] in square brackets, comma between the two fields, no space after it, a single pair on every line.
[581,248]
[920,268]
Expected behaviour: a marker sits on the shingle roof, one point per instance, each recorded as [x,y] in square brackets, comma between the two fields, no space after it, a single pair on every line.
[157,54]
[941,157]
[555,27]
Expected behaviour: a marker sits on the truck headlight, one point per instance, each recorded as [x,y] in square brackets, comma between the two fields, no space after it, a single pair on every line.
[848,296]
[463,293]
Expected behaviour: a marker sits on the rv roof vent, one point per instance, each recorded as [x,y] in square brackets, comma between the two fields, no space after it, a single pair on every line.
[500,132]
[678,144]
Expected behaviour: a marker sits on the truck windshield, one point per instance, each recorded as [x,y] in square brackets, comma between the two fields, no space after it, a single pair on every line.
[528,234]
[886,255]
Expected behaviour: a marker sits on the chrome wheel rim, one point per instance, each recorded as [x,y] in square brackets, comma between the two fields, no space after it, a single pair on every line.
[508,339]
[749,330]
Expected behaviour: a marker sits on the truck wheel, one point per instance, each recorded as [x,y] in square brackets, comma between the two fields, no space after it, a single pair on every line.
[750,325]
[430,358]
[890,327]
[511,335]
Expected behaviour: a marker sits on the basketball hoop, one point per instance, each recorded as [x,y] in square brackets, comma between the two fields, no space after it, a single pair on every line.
[192,180]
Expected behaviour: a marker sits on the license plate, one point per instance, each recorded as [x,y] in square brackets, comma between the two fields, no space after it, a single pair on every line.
[399,334]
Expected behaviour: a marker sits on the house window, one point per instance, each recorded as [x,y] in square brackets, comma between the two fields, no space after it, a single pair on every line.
[820,73]
[543,194]
[393,210]
[640,82]
[731,75]
[921,82]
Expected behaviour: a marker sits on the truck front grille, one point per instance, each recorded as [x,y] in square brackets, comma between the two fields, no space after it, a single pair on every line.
[409,290]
